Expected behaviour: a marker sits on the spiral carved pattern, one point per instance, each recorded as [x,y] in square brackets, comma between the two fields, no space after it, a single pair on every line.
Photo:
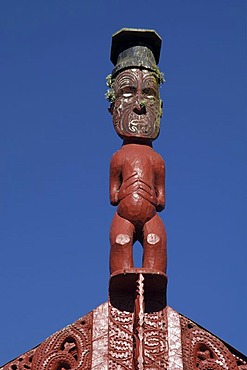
[203,351]
[68,349]
[155,339]
[71,347]
[120,339]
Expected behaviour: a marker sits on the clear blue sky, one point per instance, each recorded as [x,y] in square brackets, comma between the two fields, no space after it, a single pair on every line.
[57,140]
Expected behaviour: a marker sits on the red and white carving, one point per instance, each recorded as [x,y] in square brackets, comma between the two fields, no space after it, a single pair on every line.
[203,351]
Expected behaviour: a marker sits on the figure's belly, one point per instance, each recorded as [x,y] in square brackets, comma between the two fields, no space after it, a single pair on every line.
[136,209]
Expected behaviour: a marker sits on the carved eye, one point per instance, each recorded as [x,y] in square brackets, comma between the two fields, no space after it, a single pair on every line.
[149,93]
[127,95]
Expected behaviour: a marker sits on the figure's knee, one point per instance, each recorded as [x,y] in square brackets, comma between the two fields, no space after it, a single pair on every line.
[154,232]
[121,254]
[154,255]
[153,239]
[122,239]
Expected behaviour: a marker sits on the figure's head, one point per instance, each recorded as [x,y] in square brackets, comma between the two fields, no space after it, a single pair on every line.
[136,107]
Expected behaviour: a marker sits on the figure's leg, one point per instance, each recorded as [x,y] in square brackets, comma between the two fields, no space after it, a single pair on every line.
[154,245]
[121,239]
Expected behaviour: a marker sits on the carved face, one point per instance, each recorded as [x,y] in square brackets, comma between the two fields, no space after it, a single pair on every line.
[136,110]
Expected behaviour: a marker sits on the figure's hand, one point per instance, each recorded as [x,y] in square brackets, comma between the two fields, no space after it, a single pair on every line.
[160,202]
[128,186]
[147,193]
[114,200]
[160,207]
[134,184]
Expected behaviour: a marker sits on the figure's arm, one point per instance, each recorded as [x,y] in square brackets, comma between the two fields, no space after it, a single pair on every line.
[160,182]
[115,178]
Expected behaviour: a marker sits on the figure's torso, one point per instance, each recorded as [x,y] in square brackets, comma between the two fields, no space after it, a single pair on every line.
[137,192]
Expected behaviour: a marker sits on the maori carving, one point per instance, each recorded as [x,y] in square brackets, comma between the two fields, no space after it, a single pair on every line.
[133,117]
[100,338]
[155,339]
[241,362]
[23,362]
[120,339]
[69,348]
[135,329]
[175,361]
[138,329]
[203,351]
[137,172]
[125,337]
[170,342]
[146,346]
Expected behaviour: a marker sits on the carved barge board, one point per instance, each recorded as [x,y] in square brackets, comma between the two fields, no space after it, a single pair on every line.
[103,340]
[204,351]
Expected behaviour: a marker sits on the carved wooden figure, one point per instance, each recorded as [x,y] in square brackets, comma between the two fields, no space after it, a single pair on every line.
[137,172]
[135,329]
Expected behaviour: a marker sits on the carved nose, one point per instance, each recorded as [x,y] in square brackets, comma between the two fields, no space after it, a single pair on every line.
[139,108]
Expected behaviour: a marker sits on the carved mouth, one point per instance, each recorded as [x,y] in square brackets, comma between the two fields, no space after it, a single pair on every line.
[140,127]
[137,121]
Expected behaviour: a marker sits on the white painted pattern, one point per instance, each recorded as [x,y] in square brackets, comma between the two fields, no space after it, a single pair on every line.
[175,361]
[100,338]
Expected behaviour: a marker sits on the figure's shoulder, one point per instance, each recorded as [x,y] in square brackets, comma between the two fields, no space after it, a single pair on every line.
[117,155]
[158,158]
[125,150]
[156,154]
